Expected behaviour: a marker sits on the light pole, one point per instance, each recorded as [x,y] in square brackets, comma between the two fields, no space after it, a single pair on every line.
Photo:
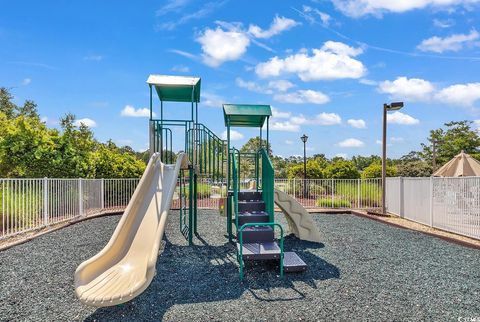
[395,106]
[304,139]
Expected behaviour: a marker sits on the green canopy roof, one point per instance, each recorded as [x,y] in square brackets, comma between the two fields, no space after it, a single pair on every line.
[244,115]
[176,88]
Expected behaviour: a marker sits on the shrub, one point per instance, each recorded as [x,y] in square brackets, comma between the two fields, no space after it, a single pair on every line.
[370,193]
[335,203]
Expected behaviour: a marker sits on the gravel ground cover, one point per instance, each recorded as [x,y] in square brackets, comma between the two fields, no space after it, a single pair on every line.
[363,270]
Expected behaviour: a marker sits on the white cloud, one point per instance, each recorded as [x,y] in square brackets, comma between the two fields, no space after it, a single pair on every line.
[451,43]
[310,14]
[351,143]
[85,121]
[289,142]
[341,155]
[460,94]
[327,119]
[26,81]
[413,89]
[319,119]
[178,6]
[183,54]
[212,100]
[234,135]
[219,46]
[278,25]
[358,8]
[358,124]
[130,111]
[251,86]
[180,69]
[93,57]
[332,61]
[280,114]
[401,118]
[368,82]
[447,23]
[396,139]
[302,96]
[285,126]
[477,124]
[280,85]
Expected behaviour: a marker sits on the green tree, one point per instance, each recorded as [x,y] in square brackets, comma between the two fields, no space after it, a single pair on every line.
[374,170]
[361,162]
[418,168]
[111,162]
[455,137]
[314,170]
[253,145]
[341,169]
[28,148]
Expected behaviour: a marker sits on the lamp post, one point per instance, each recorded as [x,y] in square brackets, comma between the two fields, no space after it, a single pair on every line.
[395,106]
[304,139]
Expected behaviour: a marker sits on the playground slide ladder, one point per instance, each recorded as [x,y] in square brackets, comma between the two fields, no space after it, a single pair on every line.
[254,220]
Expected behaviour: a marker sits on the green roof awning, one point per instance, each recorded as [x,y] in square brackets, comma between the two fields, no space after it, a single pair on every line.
[176,88]
[244,115]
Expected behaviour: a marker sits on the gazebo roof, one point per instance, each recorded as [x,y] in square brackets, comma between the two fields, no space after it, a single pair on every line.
[176,88]
[462,165]
[246,115]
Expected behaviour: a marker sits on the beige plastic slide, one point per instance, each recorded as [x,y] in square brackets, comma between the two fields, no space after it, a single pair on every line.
[299,220]
[126,266]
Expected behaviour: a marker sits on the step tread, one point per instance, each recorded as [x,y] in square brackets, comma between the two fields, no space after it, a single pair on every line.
[293,263]
[253,217]
[258,228]
[258,251]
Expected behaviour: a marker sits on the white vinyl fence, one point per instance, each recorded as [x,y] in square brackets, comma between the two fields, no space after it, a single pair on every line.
[27,204]
[451,204]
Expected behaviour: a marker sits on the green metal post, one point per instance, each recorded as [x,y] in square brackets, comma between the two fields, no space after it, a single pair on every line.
[190,208]
[151,114]
[195,212]
[229,218]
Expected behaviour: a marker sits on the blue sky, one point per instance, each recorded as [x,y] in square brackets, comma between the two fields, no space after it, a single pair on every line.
[325,66]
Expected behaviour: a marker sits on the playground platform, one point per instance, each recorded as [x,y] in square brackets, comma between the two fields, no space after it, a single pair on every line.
[362,270]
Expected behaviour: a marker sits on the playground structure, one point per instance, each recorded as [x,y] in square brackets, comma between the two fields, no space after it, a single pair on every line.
[126,266]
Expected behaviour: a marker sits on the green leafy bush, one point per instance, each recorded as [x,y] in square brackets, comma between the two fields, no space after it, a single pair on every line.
[335,203]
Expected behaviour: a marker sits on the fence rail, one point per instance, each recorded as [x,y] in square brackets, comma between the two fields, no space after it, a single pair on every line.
[28,204]
[451,204]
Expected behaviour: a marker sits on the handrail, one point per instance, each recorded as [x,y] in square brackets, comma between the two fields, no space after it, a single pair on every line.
[235,185]
[268,183]
[240,248]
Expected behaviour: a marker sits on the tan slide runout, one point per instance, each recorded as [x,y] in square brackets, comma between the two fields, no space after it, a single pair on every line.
[126,266]
[299,220]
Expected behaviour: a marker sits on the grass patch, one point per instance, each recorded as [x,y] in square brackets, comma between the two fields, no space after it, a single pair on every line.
[335,203]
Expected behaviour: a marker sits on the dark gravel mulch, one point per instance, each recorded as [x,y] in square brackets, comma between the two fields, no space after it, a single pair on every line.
[363,270]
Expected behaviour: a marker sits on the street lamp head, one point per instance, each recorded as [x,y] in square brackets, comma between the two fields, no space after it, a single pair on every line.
[304,138]
[394,106]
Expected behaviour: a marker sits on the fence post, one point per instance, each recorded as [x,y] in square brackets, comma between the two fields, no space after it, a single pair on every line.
[333,198]
[402,198]
[294,197]
[359,182]
[431,201]
[80,197]
[102,194]
[45,201]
